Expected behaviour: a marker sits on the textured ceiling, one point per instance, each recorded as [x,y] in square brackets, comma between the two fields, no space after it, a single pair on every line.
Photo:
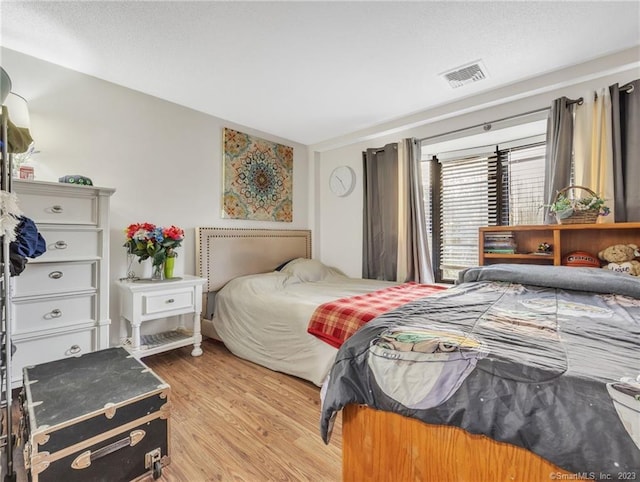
[313,71]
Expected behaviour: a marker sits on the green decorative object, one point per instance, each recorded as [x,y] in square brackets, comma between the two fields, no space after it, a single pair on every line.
[169,264]
[76,179]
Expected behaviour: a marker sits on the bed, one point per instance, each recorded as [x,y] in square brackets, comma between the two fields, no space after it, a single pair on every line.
[520,372]
[262,289]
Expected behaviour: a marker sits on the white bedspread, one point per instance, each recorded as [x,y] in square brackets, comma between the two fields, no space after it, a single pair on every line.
[263,318]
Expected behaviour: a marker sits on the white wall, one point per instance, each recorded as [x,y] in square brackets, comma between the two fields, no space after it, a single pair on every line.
[338,223]
[165,161]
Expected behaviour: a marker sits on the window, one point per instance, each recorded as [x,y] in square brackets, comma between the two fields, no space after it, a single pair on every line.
[465,190]
[524,190]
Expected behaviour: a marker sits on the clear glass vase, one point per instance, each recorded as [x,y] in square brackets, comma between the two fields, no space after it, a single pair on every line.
[157,272]
[131,274]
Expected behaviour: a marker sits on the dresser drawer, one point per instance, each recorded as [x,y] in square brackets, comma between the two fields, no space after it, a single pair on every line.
[68,244]
[54,278]
[33,351]
[59,209]
[164,301]
[47,313]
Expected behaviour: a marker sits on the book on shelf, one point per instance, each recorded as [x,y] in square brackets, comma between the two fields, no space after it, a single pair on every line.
[502,242]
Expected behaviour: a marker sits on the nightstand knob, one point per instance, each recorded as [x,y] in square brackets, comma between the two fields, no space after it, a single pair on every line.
[75,349]
[55,275]
[56,209]
[61,245]
[56,313]
[170,300]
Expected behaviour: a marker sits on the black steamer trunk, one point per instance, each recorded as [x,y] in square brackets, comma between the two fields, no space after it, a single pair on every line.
[103,416]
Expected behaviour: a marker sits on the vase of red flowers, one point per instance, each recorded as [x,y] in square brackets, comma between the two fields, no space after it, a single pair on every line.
[148,241]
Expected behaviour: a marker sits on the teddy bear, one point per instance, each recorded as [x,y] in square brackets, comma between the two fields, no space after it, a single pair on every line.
[620,258]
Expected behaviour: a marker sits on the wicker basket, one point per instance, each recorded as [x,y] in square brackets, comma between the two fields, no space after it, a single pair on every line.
[588,216]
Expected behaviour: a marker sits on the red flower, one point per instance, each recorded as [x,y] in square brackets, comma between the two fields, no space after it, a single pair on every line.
[173,232]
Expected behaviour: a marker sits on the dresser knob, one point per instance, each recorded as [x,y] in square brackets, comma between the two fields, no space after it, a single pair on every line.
[61,245]
[56,313]
[75,349]
[170,300]
[55,275]
[56,209]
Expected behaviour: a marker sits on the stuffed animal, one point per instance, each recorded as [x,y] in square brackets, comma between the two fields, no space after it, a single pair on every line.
[620,258]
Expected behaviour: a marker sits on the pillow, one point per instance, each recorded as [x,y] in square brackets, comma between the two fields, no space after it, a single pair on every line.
[309,270]
[279,268]
[252,284]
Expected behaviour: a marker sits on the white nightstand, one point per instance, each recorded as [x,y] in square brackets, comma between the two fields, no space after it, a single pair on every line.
[144,300]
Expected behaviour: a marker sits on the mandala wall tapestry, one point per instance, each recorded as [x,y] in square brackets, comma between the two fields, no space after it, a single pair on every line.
[258,178]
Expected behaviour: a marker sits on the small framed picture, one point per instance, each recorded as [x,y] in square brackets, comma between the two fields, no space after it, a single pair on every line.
[26,172]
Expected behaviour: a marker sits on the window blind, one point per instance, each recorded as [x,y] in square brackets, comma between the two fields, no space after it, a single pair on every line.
[468,200]
[504,187]
[523,188]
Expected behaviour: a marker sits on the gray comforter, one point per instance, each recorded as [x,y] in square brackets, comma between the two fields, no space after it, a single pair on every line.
[546,358]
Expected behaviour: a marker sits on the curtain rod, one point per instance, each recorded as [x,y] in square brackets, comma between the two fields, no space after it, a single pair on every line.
[485,124]
[627,88]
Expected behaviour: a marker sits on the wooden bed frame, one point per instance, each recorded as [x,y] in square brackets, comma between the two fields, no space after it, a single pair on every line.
[224,254]
[383,446]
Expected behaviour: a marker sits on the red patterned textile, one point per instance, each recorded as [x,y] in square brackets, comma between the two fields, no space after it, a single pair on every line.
[335,321]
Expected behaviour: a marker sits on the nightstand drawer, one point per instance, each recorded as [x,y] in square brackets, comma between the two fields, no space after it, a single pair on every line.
[54,278]
[68,244]
[47,313]
[48,348]
[167,301]
[59,209]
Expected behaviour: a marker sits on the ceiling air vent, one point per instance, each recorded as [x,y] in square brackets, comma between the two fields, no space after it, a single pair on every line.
[465,75]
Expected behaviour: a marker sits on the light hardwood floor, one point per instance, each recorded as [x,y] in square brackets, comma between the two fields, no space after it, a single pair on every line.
[232,420]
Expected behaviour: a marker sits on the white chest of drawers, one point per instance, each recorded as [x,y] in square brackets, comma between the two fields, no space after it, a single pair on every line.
[61,300]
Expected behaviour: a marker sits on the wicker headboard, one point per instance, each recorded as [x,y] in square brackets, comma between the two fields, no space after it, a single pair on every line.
[224,254]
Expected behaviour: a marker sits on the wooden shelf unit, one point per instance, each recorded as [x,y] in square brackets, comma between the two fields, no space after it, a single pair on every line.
[563,238]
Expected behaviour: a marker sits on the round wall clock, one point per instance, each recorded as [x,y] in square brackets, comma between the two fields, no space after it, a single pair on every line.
[342,181]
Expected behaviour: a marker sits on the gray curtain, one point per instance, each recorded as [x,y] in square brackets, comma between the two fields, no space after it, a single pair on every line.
[380,216]
[625,124]
[558,157]
[416,241]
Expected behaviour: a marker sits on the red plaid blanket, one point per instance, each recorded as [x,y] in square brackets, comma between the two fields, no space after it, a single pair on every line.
[335,321]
